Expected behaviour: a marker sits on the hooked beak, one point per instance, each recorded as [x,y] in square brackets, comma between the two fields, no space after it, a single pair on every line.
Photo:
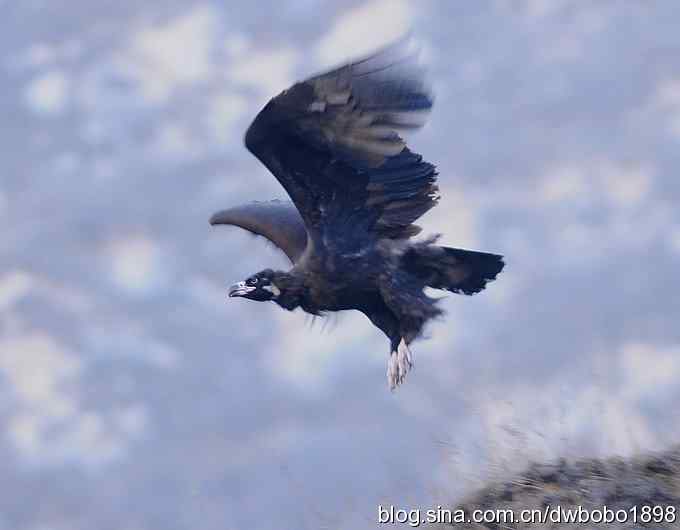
[240,289]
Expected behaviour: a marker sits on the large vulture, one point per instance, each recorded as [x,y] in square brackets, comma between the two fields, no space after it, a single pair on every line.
[356,189]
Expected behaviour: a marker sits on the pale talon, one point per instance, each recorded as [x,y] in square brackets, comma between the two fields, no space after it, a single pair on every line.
[392,371]
[399,364]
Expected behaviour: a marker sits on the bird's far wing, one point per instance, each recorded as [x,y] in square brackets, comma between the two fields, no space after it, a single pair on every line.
[278,221]
[333,142]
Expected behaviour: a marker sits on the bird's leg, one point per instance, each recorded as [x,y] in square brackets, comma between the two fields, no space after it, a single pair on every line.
[399,363]
[405,357]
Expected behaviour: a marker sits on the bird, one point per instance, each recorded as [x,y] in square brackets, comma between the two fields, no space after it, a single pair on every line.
[334,143]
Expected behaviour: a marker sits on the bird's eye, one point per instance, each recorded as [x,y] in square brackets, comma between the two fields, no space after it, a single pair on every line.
[251,281]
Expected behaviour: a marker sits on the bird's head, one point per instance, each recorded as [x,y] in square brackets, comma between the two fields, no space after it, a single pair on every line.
[260,287]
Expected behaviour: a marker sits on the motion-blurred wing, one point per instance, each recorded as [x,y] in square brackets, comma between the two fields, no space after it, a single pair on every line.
[333,142]
[278,221]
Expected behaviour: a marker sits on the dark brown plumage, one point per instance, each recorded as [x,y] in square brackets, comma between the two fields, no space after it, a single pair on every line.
[332,142]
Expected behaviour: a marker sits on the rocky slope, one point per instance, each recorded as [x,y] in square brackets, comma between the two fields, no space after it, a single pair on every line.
[625,487]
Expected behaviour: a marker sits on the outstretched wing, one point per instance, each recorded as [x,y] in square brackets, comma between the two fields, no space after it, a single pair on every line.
[333,142]
[278,221]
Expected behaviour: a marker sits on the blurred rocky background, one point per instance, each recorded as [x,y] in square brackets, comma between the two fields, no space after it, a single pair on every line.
[642,491]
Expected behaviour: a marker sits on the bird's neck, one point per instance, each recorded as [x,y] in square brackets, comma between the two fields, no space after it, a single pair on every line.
[292,290]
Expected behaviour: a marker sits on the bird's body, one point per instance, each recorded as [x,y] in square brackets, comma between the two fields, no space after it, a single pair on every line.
[356,190]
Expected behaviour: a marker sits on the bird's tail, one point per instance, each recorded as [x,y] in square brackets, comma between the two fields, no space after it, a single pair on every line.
[454,269]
